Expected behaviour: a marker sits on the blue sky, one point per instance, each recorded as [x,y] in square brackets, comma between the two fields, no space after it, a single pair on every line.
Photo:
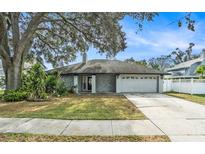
[157,37]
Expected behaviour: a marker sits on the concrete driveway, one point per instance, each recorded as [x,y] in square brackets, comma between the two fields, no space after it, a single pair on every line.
[181,120]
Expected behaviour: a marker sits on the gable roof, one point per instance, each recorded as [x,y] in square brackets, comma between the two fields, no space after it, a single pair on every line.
[186,64]
[104,66]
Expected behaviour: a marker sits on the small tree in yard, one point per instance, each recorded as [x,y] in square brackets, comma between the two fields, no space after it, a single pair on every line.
[35,82]
[201,70]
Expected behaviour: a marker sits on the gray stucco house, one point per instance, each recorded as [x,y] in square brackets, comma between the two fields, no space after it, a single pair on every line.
[187,69]
[110,76]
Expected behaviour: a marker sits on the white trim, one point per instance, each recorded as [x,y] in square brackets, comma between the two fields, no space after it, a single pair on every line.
[118,80]
[93,83]
[76,83]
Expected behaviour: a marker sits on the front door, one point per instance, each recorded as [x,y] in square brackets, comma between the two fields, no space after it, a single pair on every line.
[86,83]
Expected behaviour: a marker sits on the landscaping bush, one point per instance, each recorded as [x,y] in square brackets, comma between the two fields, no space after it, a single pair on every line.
[61,88]
[34,83]
[55,85]
[2,82]
[14,95]
[51,83]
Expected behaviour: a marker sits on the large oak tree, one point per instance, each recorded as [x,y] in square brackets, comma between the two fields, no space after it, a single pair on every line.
[57,37]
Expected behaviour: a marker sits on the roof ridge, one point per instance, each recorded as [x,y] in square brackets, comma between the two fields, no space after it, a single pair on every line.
[182,65]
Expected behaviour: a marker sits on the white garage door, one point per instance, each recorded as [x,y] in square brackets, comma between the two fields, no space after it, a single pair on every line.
[130,83]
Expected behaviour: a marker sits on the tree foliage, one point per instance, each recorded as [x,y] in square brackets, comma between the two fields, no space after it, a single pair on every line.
[180,56]
[165,61]
[201,70]
[132,60]
[57,37]
[188,21]
[161,63]
[35,82]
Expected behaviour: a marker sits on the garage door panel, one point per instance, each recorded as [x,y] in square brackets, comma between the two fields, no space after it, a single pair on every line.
[141,84]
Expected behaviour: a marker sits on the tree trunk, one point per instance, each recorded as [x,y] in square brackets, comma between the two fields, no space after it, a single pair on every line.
[13,76]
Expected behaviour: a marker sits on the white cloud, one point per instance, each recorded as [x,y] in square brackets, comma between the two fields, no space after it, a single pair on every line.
[165,39]
[135,40]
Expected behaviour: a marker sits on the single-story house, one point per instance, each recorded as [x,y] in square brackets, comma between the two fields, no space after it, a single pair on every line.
[104,76]
[187,69]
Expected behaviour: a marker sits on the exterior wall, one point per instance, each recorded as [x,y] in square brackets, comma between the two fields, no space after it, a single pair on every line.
[191,86]
[105,83]
[93,83]
[203,62]
[160,85]
[69,80]
[192,69]
[79,83]
[118,85]
[76,83]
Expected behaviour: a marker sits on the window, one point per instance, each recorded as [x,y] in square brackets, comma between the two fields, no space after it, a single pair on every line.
[145,77]
[150,77]
[123,77]
[136,77]
[141,78]
[128,77]
[132,77]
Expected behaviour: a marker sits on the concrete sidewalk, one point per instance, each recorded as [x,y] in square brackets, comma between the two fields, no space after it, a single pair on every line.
[78,127]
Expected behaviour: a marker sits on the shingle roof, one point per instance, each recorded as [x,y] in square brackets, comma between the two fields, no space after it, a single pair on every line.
[101,66]
[186,64]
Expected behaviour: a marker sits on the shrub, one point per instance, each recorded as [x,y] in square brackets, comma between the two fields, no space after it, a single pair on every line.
[201,70]
[61,88]
[51,83]
[55,85]
[34,82]
[2,82]
[14,95]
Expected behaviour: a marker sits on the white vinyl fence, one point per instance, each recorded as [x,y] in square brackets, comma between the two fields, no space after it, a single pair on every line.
[191,86]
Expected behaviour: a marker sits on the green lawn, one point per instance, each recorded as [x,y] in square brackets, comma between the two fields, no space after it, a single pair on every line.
[51,138]
[1,93]
[194,98]
[85,107]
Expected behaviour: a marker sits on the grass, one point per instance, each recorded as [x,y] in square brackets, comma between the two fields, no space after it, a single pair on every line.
[194,98]
[1,93]
[12,137]
[85,107]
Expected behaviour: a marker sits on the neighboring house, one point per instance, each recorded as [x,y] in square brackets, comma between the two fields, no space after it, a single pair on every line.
[104,76]
[187,69]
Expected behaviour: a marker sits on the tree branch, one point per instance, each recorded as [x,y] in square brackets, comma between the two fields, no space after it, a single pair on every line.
[4,49]
[28,34]
[15,30]
[45,42]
